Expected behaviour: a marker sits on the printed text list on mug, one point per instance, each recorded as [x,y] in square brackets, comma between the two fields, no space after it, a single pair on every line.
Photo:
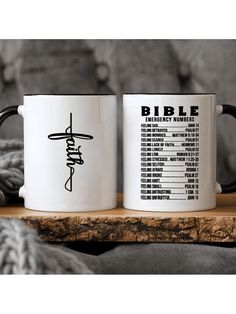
[169,153]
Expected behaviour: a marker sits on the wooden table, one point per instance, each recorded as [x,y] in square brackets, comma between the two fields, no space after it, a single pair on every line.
[121,225]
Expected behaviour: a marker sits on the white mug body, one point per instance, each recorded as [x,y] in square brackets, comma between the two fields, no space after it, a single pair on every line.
[69,152]
[169,152]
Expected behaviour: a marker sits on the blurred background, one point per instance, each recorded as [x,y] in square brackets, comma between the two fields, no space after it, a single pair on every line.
[122,66]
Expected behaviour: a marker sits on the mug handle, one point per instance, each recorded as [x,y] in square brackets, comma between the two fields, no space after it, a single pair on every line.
[7,112]
[231,110]
[4,114]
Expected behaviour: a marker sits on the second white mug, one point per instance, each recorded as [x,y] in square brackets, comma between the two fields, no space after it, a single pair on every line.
[170,151]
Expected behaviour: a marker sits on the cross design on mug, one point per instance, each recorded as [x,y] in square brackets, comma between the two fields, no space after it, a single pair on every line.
[74,155]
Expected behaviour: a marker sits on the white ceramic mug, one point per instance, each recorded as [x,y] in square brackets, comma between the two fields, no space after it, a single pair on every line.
[170,151]
[69,151]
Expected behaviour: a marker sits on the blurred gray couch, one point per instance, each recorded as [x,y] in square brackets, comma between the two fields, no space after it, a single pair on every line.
[101,66]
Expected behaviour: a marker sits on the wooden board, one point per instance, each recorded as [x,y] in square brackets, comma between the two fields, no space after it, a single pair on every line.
[217,225]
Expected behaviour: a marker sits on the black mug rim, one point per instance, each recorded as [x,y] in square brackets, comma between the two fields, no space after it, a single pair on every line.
[69,94]
[110,94]
[174,94]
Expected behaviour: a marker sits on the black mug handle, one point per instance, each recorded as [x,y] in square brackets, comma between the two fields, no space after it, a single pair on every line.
[7,112]
[4,114]
[230,187]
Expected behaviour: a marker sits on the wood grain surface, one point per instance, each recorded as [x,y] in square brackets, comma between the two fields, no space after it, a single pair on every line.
[122,225]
